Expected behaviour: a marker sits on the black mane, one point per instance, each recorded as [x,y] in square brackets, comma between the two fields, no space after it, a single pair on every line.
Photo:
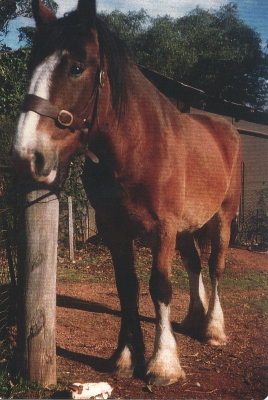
[66,34]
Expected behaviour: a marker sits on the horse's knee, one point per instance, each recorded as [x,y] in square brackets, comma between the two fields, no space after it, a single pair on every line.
[160,288]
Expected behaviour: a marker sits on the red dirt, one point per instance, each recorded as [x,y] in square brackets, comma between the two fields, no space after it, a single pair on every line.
[88,320]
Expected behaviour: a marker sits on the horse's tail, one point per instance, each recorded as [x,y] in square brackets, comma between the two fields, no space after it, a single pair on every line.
[202,238]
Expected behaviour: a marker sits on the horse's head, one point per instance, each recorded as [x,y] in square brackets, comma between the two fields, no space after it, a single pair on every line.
[60,108]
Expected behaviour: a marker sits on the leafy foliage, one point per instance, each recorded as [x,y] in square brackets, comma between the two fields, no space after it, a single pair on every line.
[7,9]
[129,27]
[211,50]
[13,81]
[80,204]
[24,7]
[26,33]
[11,9]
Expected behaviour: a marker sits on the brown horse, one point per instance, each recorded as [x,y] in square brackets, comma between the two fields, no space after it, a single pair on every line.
[149,170]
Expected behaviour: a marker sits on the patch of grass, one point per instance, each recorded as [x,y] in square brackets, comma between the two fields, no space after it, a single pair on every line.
[261,305]
[16,387]
[9,386]
[71,275]
[179,277]
[244,280]
[143,265]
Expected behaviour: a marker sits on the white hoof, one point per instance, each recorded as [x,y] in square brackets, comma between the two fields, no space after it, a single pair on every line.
[164,370]
[124,365]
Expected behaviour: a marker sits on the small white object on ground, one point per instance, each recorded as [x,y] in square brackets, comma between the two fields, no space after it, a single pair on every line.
[101,390]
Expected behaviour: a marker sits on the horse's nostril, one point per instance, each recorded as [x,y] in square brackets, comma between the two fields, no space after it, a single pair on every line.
[39,162]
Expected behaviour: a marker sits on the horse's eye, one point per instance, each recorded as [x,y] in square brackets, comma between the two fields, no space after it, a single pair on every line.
[76,70]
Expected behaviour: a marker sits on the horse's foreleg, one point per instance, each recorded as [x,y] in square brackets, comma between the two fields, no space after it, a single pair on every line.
[164,366]
[129,356]
[194,322]
[214,332]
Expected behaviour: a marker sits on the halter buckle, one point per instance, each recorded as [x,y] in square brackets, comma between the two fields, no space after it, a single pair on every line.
[101,79]
[63,120]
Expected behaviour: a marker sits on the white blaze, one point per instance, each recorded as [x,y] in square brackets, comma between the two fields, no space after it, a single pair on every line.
[26,138]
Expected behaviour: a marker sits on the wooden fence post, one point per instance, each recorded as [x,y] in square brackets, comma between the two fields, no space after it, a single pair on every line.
[71,228]
[37,265]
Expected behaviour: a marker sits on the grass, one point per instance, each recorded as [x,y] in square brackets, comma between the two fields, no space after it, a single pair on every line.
[66,274]
[261,305]
[9,386]
[17,387]
[248,279]
[95,266]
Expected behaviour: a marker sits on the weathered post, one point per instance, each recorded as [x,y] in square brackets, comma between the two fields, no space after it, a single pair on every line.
[71,228]
[37,262]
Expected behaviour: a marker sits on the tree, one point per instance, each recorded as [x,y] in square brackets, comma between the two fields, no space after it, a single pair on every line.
[129,27]
[230,61]
[13,82]
[7,9]
[11,9]
[212,50]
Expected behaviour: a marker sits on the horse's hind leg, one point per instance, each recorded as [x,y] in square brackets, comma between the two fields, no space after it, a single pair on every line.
[164,366]
[219,228]
[194,322]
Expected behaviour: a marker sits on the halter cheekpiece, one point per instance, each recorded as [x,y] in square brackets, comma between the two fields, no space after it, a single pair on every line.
[63,117]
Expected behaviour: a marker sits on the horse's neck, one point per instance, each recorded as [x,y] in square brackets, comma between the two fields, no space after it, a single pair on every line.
[142,122]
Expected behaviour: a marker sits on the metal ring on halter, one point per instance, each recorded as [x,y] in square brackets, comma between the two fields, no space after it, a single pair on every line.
[63,113]
[101,78]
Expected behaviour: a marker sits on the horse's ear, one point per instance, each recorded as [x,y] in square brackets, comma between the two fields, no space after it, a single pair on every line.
[87,11]
[41,13]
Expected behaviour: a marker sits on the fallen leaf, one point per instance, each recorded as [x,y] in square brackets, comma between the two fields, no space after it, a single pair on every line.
[150,388]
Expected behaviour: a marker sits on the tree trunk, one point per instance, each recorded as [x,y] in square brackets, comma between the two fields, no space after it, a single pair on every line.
[37,265]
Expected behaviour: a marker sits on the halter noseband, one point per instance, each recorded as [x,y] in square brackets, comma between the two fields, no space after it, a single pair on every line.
[63,117]
[44,107]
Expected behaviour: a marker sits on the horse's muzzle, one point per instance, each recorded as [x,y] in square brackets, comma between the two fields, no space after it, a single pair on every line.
[32,165]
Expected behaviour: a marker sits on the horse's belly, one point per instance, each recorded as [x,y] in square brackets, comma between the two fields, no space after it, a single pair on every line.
[199,209]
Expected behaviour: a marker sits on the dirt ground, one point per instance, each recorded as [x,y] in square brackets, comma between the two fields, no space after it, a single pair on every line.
[88,321]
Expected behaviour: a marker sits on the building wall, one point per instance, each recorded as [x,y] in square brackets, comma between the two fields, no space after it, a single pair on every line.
[255,168]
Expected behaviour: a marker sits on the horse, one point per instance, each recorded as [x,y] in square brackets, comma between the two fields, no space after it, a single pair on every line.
[149,170]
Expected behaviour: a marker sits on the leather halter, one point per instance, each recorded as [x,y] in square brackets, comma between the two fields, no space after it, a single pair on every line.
[64,117]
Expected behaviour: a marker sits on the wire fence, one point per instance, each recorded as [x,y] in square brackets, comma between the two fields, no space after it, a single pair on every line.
[253,218]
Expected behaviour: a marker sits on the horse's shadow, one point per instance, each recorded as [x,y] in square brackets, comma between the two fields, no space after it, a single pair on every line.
[97,363]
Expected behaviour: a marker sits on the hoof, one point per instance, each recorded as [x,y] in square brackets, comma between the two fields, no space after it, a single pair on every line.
[216,341]
[215,337]
[153,379]
[193,329]
[122,363]
[126,365]
[163,374]
[194,323]
[124,373]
